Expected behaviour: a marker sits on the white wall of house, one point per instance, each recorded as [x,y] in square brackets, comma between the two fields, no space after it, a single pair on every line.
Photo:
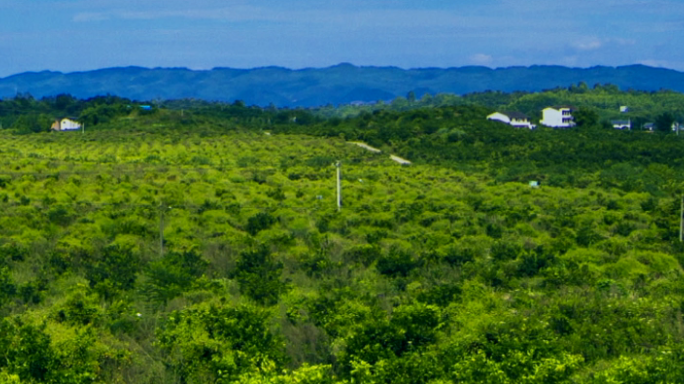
[522,123]
[619,124]
[557,118]
[498,116]
[69,125]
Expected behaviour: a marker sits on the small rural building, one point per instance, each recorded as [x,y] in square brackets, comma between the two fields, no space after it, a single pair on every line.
[621,124]
[515,119]
[558,117]
[66,124]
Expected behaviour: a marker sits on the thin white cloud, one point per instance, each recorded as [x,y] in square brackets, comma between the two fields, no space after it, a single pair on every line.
[89,16]
[595,43]
[481,59]
[662,64]
[232,14]
[622,41]
[587,45]
[255,13]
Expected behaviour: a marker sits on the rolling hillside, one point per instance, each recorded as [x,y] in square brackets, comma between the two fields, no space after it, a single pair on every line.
[340,84]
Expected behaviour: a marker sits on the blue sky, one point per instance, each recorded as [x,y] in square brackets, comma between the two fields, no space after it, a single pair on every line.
[74,35]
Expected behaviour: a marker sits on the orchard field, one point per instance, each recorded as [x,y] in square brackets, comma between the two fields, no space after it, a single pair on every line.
[143,253]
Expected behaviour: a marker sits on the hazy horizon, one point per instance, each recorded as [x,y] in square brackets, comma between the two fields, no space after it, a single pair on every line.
[339,64]
[79,35]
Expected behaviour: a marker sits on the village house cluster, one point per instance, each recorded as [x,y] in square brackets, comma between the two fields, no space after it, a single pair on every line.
[555,117]
[561,117]
[73,123]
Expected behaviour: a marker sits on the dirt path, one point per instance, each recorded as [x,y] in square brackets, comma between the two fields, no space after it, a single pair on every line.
[366,146]
[400,160]
[372,149]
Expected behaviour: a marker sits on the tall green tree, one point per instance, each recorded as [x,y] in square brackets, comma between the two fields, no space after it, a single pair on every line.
[664,121]
[258,275]
[586,117]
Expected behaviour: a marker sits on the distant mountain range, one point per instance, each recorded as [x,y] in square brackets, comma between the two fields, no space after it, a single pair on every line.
[339,84]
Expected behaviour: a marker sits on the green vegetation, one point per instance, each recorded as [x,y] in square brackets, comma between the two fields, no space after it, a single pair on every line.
[201,242]
[605,100]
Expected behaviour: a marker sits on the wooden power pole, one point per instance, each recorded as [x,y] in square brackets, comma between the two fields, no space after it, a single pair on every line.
[162,208]
[339,186]
[681,220]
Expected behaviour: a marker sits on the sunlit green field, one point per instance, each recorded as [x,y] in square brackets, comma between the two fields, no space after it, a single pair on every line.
[131,256]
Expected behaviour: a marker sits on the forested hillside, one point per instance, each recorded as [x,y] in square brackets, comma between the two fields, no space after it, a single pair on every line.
[200,242]
[603,99]
[339,84]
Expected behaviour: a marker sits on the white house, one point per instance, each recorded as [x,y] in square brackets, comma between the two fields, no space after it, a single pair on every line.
[621,124]
[66,124]
[515,119]
[558,117]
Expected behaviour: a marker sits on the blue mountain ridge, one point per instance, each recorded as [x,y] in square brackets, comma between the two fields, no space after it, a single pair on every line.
[339,84]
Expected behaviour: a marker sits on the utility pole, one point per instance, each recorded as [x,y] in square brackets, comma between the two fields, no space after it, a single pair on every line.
[339,186]
[161,229]
[681,220]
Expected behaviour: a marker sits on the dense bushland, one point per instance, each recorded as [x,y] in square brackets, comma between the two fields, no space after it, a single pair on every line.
[188,245]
